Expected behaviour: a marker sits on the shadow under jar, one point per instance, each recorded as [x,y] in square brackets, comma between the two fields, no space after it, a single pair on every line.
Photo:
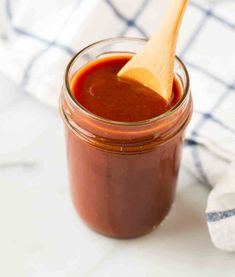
[123,175]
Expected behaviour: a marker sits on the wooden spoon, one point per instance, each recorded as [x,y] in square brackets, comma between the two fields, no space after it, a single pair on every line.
[153,65]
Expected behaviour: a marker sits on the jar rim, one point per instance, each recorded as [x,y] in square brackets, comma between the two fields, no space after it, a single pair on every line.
[121,123]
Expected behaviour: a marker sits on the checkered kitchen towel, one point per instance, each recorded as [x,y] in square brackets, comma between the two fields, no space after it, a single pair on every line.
[37,39]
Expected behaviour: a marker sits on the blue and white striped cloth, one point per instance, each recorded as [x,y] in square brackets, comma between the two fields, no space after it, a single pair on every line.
[37,39]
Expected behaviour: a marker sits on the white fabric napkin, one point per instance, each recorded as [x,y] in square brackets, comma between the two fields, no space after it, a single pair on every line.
[221,212]
[38,38]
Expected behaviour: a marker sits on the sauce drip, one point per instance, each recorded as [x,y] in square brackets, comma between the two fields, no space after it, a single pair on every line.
[99,90]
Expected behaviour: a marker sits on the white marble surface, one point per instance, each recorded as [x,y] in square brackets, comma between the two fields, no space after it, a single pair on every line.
[40,234]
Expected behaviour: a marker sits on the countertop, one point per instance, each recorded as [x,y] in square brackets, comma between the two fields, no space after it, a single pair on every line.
[41,235]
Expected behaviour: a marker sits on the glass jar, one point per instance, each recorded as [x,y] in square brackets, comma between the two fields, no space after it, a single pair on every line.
[123,175]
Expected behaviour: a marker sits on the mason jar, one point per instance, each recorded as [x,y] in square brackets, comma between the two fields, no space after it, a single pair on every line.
[123,175]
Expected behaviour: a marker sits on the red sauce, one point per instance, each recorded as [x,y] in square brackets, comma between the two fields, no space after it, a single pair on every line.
[98,88]
[122,177]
